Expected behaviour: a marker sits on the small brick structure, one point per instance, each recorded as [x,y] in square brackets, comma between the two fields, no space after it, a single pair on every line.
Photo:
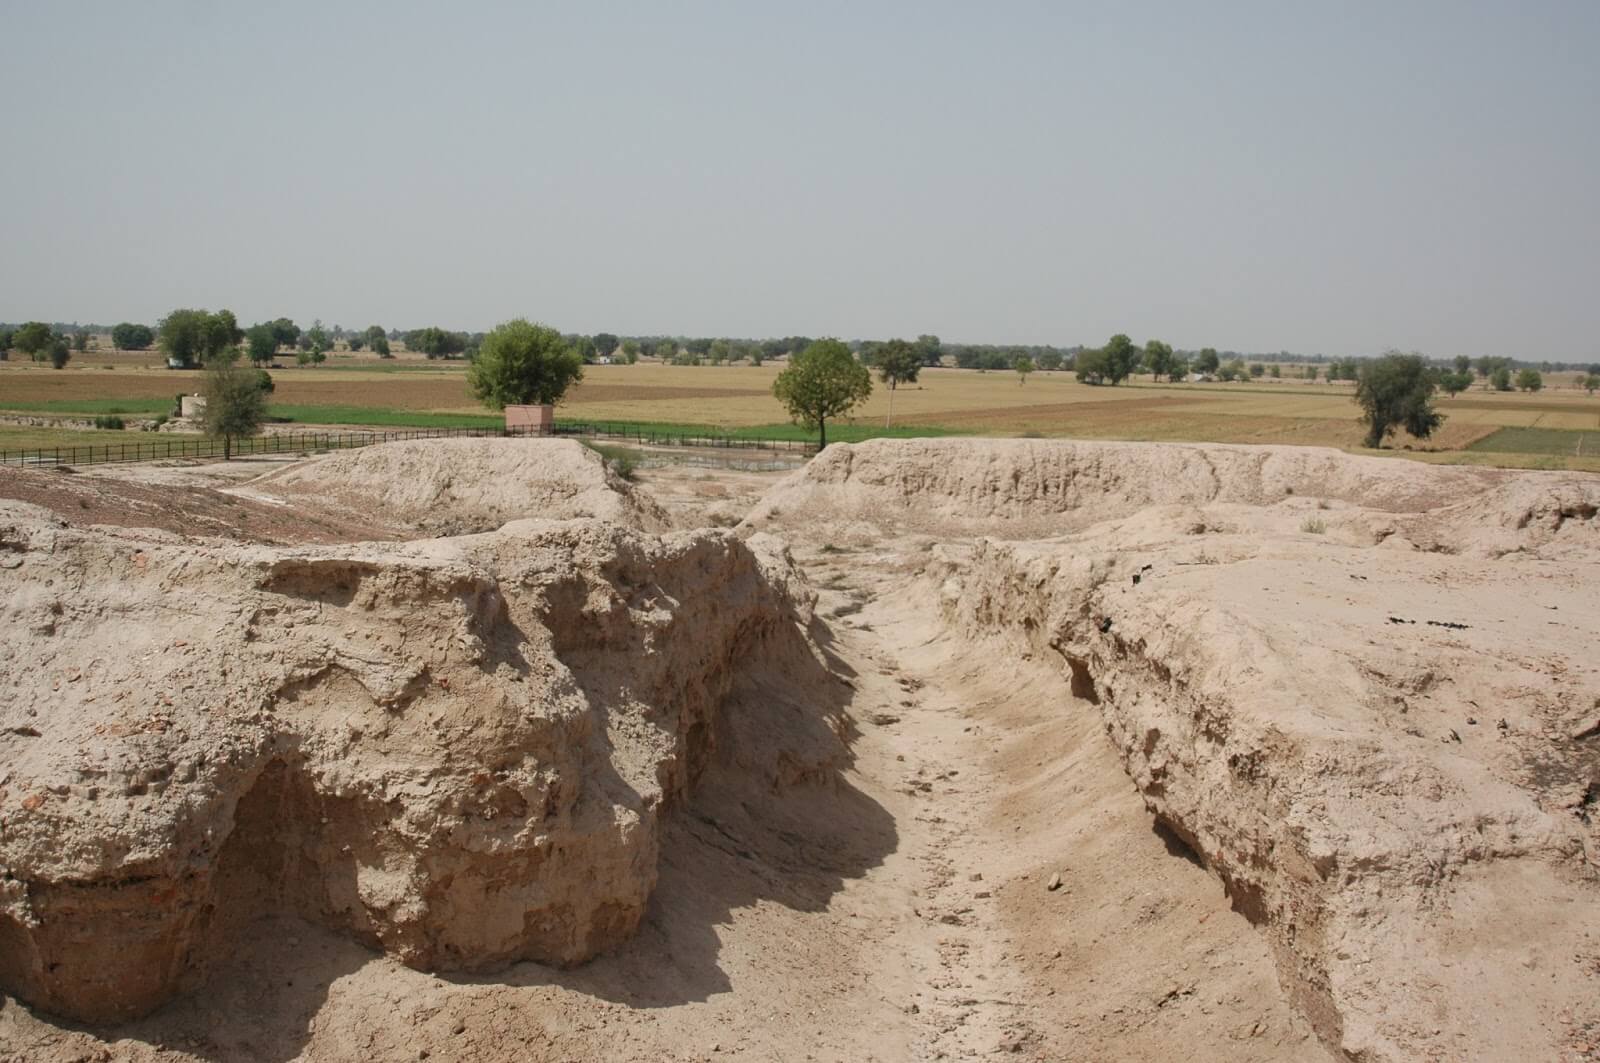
[539,420]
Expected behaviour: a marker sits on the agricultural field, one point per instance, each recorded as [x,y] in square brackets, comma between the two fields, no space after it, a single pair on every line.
[1558,427]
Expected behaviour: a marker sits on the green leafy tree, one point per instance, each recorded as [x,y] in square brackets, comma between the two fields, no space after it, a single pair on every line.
[1023,366]
[1229,372]
[436,342]
[718,352]
[1180,368]
[605,343]
[236,404]
[1591,382]
[222,333]
[58,351]
[317,342]
[1207,361]
[1158,359]
[1093,367]
[1257,370]
[182,335]
[899,363]
[262,343]
[5,340]
[32,338]
[930,350]
[194,337]
[131,337]
[1488,368]
[820,382]
[630,351]
[1463,364]
[355,341]
[1122,357]
[1529,380]
[1396,391]
[1050,361]
[80,340]
[287,331]
[1500,378]
[1455,382]
[521,363]
[1310,372]
[379,345]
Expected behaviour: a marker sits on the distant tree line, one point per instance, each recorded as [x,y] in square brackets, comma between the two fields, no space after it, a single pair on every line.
[190,338]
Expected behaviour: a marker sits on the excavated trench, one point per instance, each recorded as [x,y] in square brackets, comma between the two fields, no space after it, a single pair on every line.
[1352,699]
[1286,720]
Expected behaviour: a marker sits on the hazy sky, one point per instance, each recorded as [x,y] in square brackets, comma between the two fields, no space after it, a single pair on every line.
[1338,177]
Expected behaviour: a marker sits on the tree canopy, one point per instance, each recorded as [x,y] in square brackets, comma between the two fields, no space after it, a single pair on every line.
[1396,391]
[1454,382]
[1158,359]
[820,382]
[262,342]
[899,363]
[1121,358]
[1092,367]
[57,350]
[436,342]
[523,363]
[132,337]
[236,402]
[32,338]
[194,337]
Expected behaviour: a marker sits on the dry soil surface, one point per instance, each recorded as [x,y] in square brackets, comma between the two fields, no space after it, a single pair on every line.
[1268,812]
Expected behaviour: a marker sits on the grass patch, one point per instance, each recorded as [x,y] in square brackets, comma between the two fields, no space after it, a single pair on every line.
[379,417]
[620,460]
[1563,442]
[143,407]
[1313,526]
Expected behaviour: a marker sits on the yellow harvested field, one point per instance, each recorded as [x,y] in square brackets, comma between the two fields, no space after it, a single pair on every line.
[1048,404]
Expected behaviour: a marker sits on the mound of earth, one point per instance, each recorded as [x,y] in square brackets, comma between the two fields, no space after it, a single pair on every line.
[1363,692]
[1020,488]
[458,751]
[459,486]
